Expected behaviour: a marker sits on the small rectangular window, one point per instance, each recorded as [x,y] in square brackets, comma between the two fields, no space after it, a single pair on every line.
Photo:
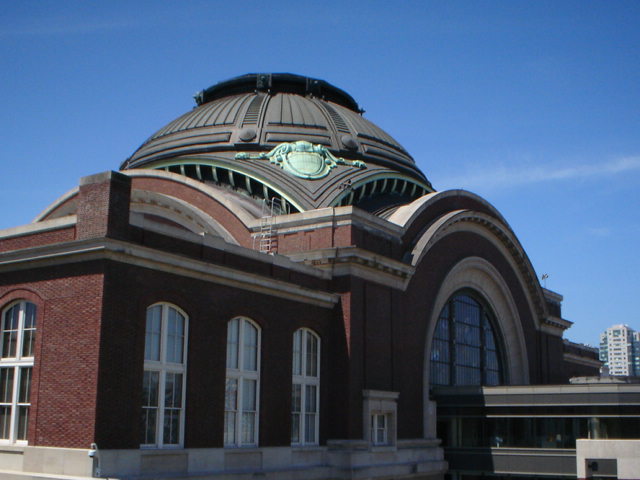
[379,429]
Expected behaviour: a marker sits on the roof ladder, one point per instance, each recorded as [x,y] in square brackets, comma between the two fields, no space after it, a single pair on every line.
[266,237]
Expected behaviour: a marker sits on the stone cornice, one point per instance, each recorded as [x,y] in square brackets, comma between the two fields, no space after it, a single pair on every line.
[555,325]
[119,251]
[343,261]
[552,296]
[589,362]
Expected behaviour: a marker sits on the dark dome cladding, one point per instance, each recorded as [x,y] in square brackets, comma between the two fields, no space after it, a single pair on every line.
[257,112]
[275,83]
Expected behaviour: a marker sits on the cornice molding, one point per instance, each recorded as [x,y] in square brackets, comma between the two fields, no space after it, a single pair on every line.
[119,251]
[589,362]
[555,325]
[343,261]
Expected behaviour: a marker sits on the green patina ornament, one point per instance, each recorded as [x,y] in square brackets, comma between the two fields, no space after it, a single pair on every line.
[302,159]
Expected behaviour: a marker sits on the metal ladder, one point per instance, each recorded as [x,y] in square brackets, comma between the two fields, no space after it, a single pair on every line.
[266,238]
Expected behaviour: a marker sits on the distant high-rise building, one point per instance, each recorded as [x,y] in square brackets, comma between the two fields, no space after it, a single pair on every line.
[620,350]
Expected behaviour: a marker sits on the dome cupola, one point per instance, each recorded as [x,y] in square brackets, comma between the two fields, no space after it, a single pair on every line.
[288,137]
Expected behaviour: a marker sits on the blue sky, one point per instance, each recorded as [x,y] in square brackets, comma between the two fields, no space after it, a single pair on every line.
[533,105]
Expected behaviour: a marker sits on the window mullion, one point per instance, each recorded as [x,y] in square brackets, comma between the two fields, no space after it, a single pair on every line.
[13,422]
[301,414]
[483,346]
[303,352]
[183,371]
[303,384]
[163,336]
[239,385]
[240,349]
[160,415]
[239,409]
[20,332]
[256,418]
[452,343]
[163,375]
[303,410]
[316,382]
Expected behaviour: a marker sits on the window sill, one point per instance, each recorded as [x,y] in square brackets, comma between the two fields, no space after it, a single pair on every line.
[307,448]
[167,448]
[383,448]
[12,448]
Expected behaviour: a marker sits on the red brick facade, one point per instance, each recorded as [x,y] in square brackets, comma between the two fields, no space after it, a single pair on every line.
[87,383]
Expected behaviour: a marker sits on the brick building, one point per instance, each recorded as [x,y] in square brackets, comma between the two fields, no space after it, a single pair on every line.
[268,286]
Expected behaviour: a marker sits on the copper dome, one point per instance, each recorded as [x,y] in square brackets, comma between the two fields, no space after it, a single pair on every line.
[226,138]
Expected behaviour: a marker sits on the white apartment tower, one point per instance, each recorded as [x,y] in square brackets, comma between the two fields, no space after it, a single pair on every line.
[620,350]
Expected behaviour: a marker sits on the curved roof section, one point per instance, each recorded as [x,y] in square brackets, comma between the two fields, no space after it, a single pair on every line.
[358,163]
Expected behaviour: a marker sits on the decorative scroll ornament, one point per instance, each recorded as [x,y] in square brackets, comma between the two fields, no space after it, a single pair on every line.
[302,159]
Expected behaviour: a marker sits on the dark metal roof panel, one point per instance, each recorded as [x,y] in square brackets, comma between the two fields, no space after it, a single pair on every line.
[282,108]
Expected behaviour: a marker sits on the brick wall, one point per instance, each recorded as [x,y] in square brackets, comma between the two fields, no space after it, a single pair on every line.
[103,206]
[69,302]
[417,304]
[200,200]
[49,237]
[129,290]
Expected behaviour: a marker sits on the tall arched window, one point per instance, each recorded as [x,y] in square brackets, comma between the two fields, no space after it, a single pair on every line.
[17,344]
[163,385]
[242,386]
[305,388]
[465,348]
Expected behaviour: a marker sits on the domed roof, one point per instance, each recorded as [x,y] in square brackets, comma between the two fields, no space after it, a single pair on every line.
[298,139]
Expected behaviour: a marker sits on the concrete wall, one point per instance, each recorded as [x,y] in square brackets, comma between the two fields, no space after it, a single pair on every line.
[411,460]
[626,454]
[40,462]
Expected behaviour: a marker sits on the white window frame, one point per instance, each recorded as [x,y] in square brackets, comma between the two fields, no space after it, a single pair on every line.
[239,374]
[376,418]
[377,404]
[18,364]
[302,379]
[163,367]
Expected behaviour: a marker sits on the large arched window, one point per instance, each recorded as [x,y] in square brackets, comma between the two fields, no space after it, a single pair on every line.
[465,349]
[163,385]
[17,344]
[242,383]
[305,388]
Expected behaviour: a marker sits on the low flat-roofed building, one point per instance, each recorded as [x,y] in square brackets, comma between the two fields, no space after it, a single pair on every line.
[555,431]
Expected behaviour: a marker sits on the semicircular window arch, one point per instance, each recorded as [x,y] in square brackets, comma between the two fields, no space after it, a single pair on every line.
[466,348]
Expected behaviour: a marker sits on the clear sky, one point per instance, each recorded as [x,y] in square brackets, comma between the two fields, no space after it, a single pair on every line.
[534,105]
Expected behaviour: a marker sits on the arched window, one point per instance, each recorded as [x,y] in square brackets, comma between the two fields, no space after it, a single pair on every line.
[305,388]
[163,385]
[242,386]
[17,344]
[465,348]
